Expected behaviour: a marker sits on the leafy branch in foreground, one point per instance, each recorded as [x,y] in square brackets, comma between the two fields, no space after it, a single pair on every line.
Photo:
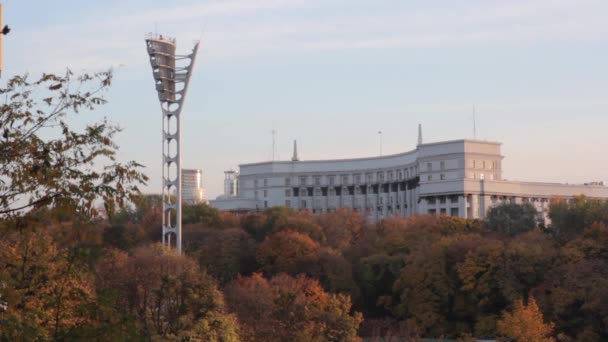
[44,161]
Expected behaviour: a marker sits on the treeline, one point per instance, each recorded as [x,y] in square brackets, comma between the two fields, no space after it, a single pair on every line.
[283,275]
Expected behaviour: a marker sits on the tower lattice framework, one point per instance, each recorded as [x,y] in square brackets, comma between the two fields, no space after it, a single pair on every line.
[172,74]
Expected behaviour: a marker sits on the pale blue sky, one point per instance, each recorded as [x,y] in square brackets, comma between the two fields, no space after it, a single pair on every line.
[331,73]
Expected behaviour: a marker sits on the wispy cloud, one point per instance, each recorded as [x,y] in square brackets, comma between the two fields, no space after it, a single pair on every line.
[241,28]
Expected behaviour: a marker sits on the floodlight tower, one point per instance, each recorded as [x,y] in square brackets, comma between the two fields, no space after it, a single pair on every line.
[171,73]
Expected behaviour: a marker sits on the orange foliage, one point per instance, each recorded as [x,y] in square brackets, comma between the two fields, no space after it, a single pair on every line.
[290,309]
[286,251]
[525,323]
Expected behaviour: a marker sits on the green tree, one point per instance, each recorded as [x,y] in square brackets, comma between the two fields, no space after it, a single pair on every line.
[511,218]
[44,161]
[569,218]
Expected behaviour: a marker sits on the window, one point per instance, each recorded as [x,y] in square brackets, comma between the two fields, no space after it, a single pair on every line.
[332,180]
[358,179]
[303,204]
[432,211]
[474,164]
[380,177]
[400,175]
[317,192]
[265,204]
[303,180]
[442,165]
[317,180]
[265,193]
[442,211]
[288,203]
[483,164]
[429,166]
[255,194]
[331,192]
[442,176]
[287,192]
[429,178]
[431,200]
[454,199]
[265,182]
[369,177]
[255,183]
[288,181]
[344,179]
[390,175]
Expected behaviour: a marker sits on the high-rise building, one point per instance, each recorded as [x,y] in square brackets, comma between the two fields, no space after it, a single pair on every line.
[231,183]
[193,191]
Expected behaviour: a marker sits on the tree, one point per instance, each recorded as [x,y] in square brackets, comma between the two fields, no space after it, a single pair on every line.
[342,227]
[291,309]
[44,161]
[569,218]
[46,291]
[168,294]
[286,251]
[224,253]
[525,323]
[511,218]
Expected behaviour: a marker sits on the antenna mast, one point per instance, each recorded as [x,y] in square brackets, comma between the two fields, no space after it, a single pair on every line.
[474,125]
[274,138]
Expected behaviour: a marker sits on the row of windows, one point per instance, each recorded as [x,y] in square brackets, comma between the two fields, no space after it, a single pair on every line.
[431,178]
[304,204]
[481,176]
[484,164]
[429,166]
[443,211]
[358,178]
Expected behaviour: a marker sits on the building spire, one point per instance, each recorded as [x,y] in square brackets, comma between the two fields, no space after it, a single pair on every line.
[295,151]
[419,134]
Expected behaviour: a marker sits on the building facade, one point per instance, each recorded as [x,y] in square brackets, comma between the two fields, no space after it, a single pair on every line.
[459,178]
[192,186]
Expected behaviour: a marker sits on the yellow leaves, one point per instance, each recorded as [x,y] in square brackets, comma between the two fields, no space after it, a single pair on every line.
[525,323]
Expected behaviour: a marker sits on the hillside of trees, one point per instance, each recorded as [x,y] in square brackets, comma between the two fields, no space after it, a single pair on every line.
[80,259]
[282,275]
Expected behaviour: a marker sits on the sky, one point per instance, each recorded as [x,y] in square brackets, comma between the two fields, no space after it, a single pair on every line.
[332,73]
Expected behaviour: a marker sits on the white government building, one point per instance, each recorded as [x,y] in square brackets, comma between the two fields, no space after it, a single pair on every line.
[459,178]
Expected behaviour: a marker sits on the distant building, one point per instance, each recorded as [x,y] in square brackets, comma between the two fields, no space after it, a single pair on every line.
[231,183]
[458,178]
[192,186]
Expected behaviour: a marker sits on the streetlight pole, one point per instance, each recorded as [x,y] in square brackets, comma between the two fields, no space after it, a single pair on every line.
[380,136]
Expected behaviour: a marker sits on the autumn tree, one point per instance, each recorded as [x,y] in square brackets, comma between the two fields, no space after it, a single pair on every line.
[342,227]
[525,323]
[168,294]
[286,251]
[44,161]
[224,253]
[46,292]
[291,309]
